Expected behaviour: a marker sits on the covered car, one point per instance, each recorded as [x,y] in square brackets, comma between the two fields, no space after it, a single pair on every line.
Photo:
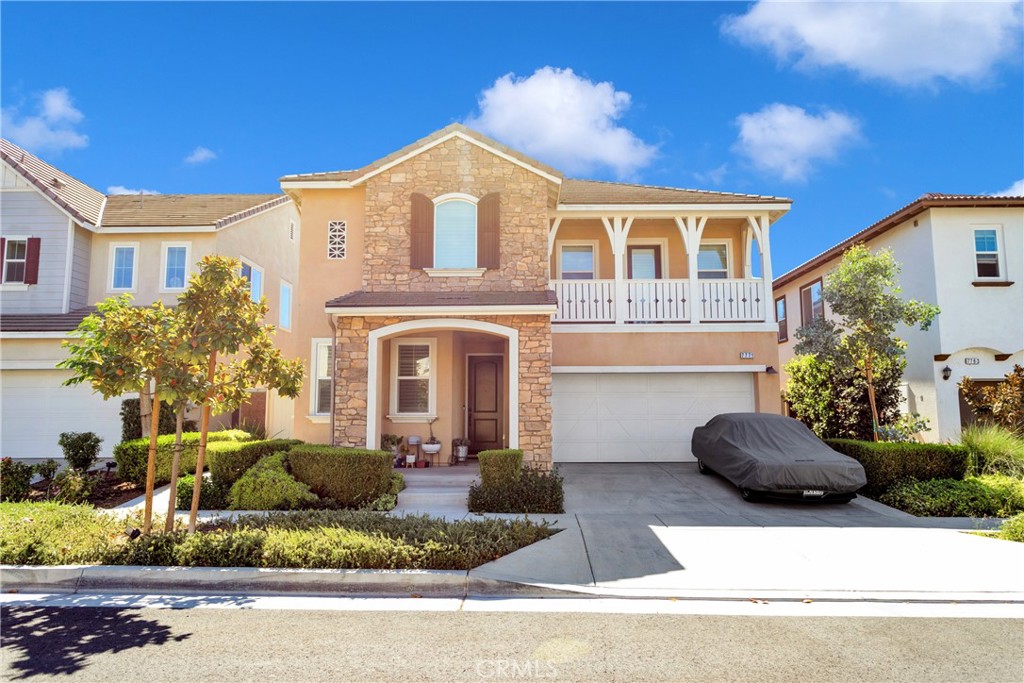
[772,455]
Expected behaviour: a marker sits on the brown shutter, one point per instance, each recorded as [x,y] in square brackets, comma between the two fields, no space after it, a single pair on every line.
[3,255]
[422,231]
[488,231]
[32,261]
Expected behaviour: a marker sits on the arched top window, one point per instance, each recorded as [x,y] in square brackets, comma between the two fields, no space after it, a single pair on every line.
[455,233]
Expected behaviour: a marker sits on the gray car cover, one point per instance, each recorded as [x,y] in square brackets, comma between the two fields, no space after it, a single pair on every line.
[764,452]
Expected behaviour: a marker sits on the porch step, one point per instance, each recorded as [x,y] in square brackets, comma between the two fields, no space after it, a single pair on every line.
[425,500]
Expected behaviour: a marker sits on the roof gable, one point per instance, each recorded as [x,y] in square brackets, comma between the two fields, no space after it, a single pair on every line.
[81,202]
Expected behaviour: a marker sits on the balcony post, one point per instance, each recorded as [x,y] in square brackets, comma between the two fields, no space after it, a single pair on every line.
[766,270]
[618,239]
[691,238]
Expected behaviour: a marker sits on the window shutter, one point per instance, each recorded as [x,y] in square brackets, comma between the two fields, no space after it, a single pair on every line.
[422,231]
[488,229]
[3,255]
[32,261]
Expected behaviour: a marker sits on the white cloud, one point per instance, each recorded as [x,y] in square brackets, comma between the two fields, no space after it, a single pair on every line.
[785,139]
[121,189]
[566,120]
[200,155]
[715,176]
[50,129]
[1015,190]
[909,43]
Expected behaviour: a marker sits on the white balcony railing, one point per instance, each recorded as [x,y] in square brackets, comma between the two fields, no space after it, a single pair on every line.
[659,301]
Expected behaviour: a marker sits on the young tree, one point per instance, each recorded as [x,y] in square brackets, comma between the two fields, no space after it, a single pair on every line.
[1002,403]
[224,322]
[863,291]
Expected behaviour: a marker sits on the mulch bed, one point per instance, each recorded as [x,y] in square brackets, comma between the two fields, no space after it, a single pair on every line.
[108,490]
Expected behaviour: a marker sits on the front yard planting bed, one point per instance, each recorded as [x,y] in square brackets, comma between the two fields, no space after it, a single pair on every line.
[55,534]
[988,495]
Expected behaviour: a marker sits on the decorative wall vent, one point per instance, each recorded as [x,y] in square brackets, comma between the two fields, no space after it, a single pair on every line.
[337,247]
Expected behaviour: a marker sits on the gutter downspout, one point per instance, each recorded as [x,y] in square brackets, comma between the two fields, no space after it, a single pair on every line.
[334,367]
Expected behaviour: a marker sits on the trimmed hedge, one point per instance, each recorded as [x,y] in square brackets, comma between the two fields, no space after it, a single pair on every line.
[533,492]
[229,461]
[991,495]
[500,467]
[351,477]
[211,496]
[131,456]
[887,464]
[268,486]
[1013,529]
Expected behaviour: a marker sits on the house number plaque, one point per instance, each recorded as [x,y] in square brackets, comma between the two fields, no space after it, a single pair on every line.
[972,361]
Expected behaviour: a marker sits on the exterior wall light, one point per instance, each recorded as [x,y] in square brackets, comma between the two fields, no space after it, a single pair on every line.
[946,372]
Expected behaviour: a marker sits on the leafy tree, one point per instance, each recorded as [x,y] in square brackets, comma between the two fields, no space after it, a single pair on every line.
[226,337]
[1002,403]
[863,292]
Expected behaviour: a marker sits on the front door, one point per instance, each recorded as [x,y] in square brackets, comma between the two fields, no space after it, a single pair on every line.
[486,415]
[643,262]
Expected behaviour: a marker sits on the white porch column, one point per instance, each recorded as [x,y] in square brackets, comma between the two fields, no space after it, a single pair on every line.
[694,230]
[617,236]
[748,270]
[766,269]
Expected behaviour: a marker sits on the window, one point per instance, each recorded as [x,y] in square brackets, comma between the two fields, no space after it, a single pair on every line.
[123,260]
[15,258]
[578,262]
[812,306]
[175,258]
[713,261]
[337,240]
[780,315]
[285,308]
[323,368]
[455,234]
[986,253]
[254,274]
[412,390]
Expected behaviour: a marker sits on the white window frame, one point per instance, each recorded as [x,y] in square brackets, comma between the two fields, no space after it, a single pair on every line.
[394,415]
[15,284]
[164,246]
[660,242]
[467,271]
[337,244]
[281,322]
[594,245]
[316,375]
[728,256]
[1000,252]
[114,246]
[263,277]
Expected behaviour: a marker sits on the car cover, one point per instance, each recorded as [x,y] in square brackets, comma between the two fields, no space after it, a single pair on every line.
[763,452]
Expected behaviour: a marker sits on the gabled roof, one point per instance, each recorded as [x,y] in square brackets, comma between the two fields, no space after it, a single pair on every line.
[81,202]
[929,200]
[596,192]
[181,210]
[357,176]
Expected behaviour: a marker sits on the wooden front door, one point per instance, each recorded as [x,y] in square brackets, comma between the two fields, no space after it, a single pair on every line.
[486,413]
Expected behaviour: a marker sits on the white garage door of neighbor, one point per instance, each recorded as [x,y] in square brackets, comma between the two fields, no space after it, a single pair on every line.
[36,409]
[639,417]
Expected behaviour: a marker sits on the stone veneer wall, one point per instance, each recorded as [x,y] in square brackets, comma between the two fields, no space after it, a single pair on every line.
[534,380]
[456,166]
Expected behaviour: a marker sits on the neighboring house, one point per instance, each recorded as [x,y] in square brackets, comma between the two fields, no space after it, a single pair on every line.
[66,246]
[963,253]
[459,286]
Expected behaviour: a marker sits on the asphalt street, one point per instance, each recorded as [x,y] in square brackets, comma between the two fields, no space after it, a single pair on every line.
[109,644]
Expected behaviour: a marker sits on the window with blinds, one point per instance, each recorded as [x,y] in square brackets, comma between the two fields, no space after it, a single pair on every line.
[413,378]
[455,235]
[322,375]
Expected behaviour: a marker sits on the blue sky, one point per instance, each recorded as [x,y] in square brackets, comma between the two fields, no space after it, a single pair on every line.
[852,110]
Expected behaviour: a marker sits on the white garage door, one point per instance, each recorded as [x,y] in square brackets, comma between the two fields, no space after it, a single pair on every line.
[35,409]
[639,417]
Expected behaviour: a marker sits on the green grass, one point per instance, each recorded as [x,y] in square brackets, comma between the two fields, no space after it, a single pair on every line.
[994,449]
[50,533]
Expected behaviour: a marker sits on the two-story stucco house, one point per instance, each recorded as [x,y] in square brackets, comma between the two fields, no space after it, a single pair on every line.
[963,253]
[66,246]
[460,287]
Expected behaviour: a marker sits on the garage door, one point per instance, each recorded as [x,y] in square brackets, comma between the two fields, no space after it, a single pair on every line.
[639,417]
[35,409]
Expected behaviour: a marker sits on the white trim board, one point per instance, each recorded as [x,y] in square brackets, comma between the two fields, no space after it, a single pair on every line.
[539,309]
[653,369]
[702,328]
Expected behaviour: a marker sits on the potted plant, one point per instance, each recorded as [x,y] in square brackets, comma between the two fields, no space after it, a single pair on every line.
[391,442]
[408,459]
[432,446]
[460,449]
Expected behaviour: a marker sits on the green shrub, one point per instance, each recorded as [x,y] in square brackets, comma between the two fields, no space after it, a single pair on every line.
[268,486]
[52,533]
[1013,529]
[72,486]
[349,476]
[500,467]
[533,492]
[15,480]
[887,464]
[131,421]
[81,449]
[228,461]
[994,449]
[397,483]
[211,496]
[984,496]
[131,456]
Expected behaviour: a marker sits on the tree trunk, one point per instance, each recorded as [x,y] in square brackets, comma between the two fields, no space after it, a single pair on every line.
[204,427]
[175,464]
[145,408]
[869,375]
[147,521]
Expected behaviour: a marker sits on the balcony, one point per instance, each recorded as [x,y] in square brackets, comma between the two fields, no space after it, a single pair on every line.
[659,301]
